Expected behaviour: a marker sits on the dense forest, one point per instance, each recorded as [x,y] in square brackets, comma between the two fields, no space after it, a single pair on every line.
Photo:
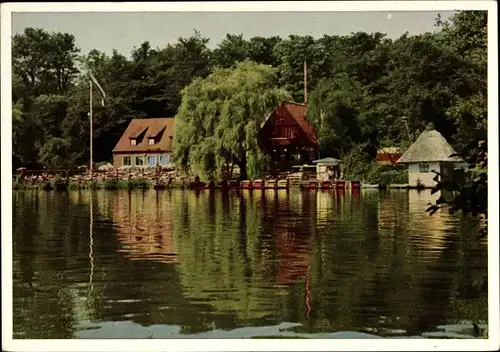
[365,91]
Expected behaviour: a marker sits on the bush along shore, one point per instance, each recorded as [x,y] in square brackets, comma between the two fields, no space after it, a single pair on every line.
[384,176]
[110,180]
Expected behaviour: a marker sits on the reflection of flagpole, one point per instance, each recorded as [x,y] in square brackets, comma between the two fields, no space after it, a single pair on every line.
[91,250]
[308,291]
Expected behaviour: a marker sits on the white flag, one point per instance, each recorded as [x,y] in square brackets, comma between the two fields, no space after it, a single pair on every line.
[94,80]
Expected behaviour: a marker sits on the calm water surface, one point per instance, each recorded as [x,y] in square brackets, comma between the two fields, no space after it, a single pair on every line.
[119,264]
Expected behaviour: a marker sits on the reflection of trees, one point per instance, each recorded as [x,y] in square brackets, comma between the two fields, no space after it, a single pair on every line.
[49,236]
[330,260]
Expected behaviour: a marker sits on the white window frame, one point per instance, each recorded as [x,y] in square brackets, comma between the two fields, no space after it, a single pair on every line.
[156,160]
[135,160]
[123,160]
[133,141]
[423,168]
[151,141]
[164,156]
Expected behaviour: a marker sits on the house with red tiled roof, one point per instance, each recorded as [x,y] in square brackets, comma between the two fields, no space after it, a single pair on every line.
[288,138]
[145,143]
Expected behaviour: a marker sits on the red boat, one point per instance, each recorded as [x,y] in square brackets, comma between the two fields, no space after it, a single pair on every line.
[326,185]
[311,185]
[340,184]
[247,185]
[355,185]
[258,184]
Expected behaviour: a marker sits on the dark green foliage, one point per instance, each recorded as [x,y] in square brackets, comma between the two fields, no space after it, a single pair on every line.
[138,184]
[60,184]
[393,177]
[47,186]
[111,184]
[361,86]
[73,186]
[95,185]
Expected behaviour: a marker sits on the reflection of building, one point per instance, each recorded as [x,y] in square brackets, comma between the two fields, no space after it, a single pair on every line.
[144,226]
[294,252]
[430,229]
[325,203]
[294,237]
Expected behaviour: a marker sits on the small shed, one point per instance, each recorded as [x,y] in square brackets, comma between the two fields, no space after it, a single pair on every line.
[388,156]
[328,169]
[430,152]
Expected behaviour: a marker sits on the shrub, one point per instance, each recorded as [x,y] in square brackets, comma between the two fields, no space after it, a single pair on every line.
[59,184]
[137,184]
[47,186]
[73,186]
[392,177]
[95,185]
[111,184]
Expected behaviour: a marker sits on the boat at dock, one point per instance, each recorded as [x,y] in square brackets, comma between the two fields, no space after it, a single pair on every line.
[279,184]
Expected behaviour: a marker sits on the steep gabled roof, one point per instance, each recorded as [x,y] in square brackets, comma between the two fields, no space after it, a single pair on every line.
[429,146]
[299,113]
[150,128]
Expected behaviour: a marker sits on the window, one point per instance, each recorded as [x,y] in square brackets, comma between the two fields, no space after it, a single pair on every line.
[164,159]
[139,161]
[152,160]
[127,161]
[290,133]
[151,141]
[133,141]
[281,118]
[424,167]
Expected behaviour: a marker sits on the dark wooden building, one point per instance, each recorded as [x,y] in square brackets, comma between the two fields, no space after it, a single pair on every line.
[288,138]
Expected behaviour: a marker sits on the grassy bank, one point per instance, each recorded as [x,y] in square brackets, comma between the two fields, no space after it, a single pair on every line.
[383,175]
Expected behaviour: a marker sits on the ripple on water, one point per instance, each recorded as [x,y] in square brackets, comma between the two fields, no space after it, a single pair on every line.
[173,263]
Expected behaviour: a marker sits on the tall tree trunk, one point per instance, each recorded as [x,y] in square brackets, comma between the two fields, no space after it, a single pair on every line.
[242,163]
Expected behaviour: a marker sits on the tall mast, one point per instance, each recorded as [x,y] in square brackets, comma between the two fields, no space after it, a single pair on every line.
[91,132]
[305,82]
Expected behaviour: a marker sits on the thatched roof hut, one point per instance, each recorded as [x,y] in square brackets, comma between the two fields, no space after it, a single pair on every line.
[430,146]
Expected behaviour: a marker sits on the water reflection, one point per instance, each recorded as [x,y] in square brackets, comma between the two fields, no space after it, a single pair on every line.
[205,261]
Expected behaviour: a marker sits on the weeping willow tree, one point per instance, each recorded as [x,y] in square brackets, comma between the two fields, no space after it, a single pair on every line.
[220,116]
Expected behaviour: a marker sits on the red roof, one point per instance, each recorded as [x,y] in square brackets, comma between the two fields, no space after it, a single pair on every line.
[299,113]
[150,128]
[388,157]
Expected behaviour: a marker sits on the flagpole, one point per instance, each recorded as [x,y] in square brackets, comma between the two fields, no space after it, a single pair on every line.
[91,132]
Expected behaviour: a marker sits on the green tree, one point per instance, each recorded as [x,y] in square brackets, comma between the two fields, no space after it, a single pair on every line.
[232,50]
[220,116]
[44,62]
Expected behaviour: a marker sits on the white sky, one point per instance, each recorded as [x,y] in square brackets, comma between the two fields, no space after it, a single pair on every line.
[122,31]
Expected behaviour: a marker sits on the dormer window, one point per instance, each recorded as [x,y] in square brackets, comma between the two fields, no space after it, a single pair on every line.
[133,141]
[151,141]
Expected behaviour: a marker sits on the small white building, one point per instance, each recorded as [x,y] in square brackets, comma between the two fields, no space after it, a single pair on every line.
[430,152]
[328,169]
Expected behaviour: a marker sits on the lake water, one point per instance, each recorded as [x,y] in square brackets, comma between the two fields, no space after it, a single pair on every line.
[160,264]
